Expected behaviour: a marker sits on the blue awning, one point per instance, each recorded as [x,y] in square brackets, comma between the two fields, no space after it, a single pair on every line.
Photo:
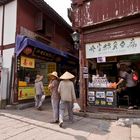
[23,41]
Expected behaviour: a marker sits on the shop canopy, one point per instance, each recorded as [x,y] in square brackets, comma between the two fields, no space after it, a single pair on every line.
[22,42]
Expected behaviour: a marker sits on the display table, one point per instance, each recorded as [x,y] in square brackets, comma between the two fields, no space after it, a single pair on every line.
[105,97]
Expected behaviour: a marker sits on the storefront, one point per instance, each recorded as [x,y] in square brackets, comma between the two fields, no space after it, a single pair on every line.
[34,57]
[104,60]
[109,35]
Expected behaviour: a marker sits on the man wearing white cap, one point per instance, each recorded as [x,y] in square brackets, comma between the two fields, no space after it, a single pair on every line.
[55,97]
[67,95]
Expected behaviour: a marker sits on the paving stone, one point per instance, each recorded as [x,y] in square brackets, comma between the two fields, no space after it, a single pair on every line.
[119,132]
[97,137]
[31,124]
[135,131]
[135,138]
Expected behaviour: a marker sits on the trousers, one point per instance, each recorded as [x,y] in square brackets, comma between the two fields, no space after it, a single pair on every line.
[65,105]
[38,101]
[55,107]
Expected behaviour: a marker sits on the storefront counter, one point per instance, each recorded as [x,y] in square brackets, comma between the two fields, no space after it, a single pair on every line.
[105,97]
[29,92]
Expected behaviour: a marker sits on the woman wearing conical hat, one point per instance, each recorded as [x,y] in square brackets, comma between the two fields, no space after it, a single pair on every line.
[55,97]
[39,91]
[67,96]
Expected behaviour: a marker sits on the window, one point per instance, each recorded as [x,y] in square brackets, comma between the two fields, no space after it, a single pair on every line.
[43,25]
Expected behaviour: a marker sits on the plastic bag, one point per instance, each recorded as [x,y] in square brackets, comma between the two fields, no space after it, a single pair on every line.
[41,101]
[135,76]
[76,107]
[43,98]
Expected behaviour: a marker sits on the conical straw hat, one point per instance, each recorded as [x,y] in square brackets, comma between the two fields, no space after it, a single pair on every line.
[53,74]
[67,75]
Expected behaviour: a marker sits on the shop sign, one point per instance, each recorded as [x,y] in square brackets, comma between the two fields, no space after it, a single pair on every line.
[101,59]
[27,50]
[27,62]
[100,94]
[29,92]
[85,76]
[85,70]
[26,93]
[40,52]
[113,48]
[102,98]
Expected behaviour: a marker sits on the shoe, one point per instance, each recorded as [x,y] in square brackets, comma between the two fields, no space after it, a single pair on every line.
[60,124]
[130,107]
[39,108]
[54,121]
[135,107]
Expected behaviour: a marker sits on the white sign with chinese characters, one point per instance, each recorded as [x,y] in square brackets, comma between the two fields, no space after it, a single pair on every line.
[113,48]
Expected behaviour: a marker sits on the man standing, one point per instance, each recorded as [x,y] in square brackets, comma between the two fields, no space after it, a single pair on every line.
[67,96]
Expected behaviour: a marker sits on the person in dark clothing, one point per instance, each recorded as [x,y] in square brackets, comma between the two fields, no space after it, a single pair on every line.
[131,86]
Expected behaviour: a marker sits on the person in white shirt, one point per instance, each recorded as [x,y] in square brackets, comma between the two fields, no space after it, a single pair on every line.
[67,96]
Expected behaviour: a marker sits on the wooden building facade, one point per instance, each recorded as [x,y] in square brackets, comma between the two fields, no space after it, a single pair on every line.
[105,27]
[26,26]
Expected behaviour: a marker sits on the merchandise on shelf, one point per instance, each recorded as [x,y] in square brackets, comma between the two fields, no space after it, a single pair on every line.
[101,82]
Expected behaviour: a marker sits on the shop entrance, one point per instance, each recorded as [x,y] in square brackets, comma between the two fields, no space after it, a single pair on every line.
[34,57]
[104,75]
[27,76]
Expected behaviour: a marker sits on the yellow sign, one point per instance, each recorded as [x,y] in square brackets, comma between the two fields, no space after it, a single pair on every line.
[109,103]
[97,102]
[29,92]
[27,62]
[51,67]
[26,93]
[103,102]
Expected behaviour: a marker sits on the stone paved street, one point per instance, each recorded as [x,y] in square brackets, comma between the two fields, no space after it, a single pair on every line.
[31,124]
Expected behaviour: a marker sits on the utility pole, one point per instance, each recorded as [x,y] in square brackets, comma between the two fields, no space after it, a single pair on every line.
[83,73]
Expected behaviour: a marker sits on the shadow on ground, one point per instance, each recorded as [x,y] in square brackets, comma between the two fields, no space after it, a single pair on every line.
[80,129]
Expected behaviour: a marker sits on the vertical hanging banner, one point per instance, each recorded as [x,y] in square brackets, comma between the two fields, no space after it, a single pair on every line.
[27,62]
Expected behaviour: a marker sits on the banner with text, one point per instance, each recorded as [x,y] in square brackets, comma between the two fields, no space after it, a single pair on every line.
[113,48]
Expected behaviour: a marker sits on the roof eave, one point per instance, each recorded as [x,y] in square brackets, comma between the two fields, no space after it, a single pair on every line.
[43,6]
